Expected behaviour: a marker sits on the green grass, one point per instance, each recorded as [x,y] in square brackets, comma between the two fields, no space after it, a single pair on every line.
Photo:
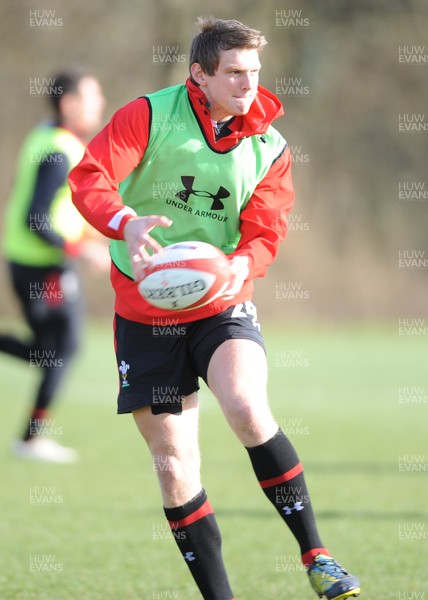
[334,390]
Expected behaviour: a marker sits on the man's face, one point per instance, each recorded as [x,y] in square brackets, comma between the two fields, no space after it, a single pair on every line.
[233,87]
[82,110]
[92,103]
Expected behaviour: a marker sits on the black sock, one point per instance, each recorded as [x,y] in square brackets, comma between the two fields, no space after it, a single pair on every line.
[36,425]
[280,475]
[196,532]
[51,379]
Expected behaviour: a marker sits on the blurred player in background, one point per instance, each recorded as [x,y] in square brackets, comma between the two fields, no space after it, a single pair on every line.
[211,144]
[43,236]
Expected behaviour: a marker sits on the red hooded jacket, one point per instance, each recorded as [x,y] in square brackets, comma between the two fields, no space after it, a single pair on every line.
[118,149]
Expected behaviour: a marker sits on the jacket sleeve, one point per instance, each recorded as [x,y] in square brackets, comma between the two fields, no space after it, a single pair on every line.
[109,158]
[264,219]
[51,175]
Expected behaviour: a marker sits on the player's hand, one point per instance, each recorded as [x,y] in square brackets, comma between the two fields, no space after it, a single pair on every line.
[239,268]
[136,234]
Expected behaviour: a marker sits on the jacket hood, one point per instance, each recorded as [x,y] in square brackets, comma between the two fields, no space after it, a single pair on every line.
[265,108]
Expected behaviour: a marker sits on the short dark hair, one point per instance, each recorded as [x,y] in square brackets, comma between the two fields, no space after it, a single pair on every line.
[65,81]
[217,35]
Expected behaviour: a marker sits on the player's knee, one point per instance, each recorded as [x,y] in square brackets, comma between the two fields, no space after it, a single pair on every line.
[69,348]
[251,421]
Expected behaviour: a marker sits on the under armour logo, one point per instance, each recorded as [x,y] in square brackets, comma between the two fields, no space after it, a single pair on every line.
[289,509]
[189,556]
[217,203]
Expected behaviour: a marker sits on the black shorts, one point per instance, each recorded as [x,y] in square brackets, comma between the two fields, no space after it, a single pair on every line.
[159,364]
[50,299]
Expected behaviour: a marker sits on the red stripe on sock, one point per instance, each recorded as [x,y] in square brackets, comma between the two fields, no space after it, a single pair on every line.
[309,556]
[39,414]
[202,512]
[284,477]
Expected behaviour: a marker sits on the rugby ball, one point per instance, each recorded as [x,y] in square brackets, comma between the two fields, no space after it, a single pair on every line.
[185,276]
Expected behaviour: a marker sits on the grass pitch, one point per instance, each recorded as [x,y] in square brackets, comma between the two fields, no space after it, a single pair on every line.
[354,401]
